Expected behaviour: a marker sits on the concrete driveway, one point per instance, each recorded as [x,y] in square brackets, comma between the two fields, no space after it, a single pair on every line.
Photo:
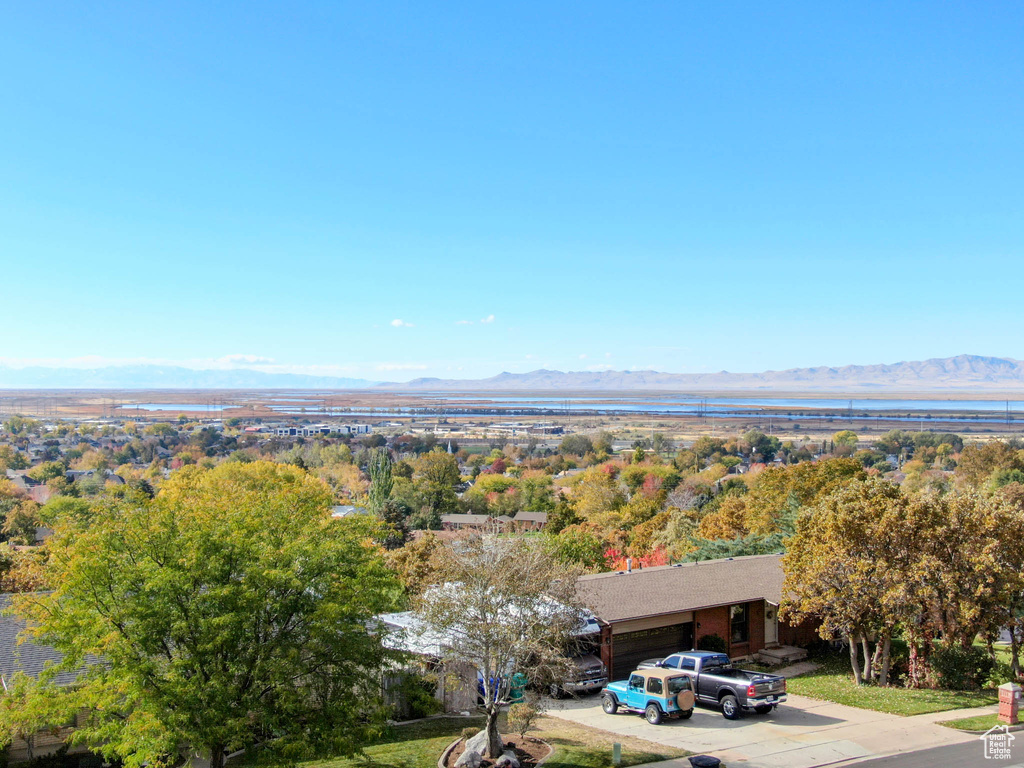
[802,733]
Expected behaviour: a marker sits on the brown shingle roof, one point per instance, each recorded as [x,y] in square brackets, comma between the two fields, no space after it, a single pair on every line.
[466,519]
[531,517]
[687,587]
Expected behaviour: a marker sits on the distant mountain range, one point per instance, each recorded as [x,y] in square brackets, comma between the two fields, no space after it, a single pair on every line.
[950,374]
[165,377]
[963,373]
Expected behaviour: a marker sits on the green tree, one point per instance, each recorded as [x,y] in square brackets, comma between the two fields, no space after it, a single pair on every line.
[47,471]
[845,437]
[779,492]
[502,604]
[437,467]
[602,442]
[576,445]
[230,609]
[660,443]
[381,479]
[562,516]
[845,567]
[580,547]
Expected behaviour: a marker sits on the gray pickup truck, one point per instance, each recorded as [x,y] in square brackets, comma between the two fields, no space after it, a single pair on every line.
[716,681]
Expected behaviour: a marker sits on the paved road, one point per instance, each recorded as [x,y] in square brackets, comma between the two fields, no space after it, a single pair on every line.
[968,755]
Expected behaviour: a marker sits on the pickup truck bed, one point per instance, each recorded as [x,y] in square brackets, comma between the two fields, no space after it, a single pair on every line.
[716,681]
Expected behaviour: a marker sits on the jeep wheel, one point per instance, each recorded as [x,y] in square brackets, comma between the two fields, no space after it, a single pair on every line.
[609,705]
[730,707]
[653,714]
[763,709]
[686,714]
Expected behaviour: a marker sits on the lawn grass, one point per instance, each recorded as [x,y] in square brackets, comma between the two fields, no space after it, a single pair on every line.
[579,746]
[416,745]
[976,723]
[419,745]
[834,682]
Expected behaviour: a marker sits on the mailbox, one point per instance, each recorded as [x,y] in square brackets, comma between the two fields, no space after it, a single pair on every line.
[1009,703]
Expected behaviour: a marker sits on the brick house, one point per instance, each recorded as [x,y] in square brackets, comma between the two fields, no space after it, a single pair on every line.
[652,612]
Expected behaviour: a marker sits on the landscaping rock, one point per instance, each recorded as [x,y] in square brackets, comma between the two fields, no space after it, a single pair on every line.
[508,759]
[469,759]
[478,743]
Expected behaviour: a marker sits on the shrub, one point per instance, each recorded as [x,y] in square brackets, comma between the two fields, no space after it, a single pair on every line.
[469,733]
[523,716]
[957,669]
[417,692]
[1001,673]
[712,643]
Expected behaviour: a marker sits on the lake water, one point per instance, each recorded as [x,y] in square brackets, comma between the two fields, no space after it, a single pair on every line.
[892,409]
[671,403]
[176,407]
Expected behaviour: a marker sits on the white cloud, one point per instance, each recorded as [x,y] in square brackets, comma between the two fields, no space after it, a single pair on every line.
[601,367]
[401,367]
[245,360]
[529,357]
[463,322]
[583,357]
[607,355]
[488,319]
[396,323]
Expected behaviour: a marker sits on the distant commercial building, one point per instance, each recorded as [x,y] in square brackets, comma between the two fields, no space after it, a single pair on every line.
[311,430]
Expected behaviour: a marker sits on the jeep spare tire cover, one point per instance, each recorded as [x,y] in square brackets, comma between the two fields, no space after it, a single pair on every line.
[684,700]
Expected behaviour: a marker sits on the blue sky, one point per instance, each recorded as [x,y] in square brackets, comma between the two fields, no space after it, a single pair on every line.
[393,190]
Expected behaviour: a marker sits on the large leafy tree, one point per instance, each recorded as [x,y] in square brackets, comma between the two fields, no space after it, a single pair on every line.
[229,610]
[504,605]
[779,491]
[845,568]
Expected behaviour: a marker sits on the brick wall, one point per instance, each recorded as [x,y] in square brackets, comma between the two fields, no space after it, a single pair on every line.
[801,635]
[716,621]
[756,613]
[711,621]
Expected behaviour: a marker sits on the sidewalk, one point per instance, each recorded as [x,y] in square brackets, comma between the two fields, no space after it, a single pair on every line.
[795,670]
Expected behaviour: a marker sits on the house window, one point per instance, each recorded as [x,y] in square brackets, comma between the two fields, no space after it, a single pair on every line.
[740,623]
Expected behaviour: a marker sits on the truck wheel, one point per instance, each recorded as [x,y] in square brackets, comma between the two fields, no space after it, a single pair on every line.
[730,707]
[609,705]
[686,714]
[653,714]
[555,691]
[763,709]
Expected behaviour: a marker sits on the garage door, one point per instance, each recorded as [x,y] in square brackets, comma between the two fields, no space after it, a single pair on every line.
[630,648]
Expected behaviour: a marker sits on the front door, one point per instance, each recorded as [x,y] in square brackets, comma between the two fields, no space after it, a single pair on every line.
[688,637]
[771,624]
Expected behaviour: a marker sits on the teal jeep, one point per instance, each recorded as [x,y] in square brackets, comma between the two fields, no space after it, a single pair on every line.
[657,693]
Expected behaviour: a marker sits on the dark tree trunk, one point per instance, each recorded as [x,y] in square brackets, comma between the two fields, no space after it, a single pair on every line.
[1014,651]
[886,663]
[494,745]
[867,658]
[855,660]
[917,667]
[216,756]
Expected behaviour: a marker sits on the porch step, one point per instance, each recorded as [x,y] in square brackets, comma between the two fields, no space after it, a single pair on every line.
[783,654]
